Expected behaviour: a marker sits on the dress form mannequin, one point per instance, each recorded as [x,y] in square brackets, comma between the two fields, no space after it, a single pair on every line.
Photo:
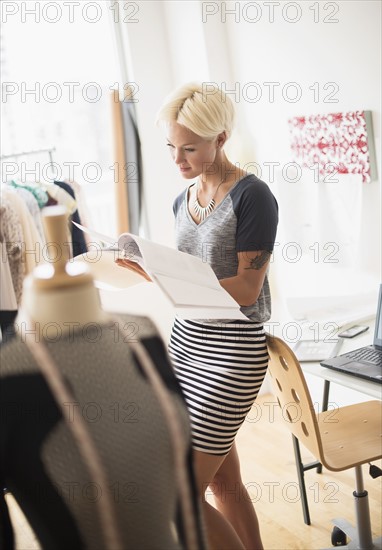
[60,295]
[126,414]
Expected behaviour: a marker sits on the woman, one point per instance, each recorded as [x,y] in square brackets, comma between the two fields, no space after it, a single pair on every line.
[228,218]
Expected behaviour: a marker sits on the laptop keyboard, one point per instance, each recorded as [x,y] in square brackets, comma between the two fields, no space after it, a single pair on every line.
[369,355]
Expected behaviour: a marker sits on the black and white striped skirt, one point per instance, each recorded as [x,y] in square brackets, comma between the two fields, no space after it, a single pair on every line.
[220,368]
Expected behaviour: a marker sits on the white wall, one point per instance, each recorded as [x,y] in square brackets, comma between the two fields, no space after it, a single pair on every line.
[165,48]
[150,69]
[346,53]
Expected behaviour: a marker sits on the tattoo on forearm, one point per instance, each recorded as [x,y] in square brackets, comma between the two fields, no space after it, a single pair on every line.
[260,260]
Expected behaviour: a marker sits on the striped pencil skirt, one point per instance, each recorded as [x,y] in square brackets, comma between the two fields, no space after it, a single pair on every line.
[220,368]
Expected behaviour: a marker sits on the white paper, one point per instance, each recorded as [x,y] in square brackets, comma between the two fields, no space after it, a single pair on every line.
[160,259]
[107,274]
[184,293]
[189,283]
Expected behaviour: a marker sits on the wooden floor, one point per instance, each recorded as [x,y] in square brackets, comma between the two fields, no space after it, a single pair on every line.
[269,472]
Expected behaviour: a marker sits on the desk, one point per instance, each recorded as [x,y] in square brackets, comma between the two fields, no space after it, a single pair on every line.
[371,389]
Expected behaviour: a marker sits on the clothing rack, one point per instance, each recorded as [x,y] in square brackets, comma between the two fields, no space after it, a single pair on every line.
[21,230]
[50,152]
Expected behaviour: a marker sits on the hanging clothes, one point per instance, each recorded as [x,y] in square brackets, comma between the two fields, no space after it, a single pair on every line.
[33,244]
[8,301]
[39,193]
[61,195]
[83,211]
[51,201]
[78,239]
[12,232]
[30,200]
[80,196]
[22,248]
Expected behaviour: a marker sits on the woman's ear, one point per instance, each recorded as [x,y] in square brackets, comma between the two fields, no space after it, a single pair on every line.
[221,139]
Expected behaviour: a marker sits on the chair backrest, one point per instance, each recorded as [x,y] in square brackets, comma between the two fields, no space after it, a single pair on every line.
[292,394]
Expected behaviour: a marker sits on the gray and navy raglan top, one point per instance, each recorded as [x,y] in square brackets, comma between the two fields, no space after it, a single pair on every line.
[246,220]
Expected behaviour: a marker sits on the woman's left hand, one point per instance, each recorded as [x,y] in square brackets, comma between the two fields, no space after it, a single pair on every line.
[133,266]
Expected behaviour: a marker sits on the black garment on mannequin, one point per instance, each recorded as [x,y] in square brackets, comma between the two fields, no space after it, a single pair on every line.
[40,464]
[7,325]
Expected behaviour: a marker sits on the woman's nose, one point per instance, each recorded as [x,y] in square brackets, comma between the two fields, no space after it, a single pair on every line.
[178,156]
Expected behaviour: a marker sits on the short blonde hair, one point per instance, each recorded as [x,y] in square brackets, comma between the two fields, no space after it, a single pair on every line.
[203,108]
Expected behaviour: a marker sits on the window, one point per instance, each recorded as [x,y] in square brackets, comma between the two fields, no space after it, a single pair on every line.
[59,67]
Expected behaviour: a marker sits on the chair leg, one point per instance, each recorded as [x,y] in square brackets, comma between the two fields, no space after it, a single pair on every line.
[325,401]
[301,480]
[361,535]
[301,468]
[362,511]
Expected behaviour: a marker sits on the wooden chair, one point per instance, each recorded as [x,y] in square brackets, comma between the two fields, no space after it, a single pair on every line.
[345,438]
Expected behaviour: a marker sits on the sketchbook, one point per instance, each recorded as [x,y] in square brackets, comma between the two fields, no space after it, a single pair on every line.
[190,284]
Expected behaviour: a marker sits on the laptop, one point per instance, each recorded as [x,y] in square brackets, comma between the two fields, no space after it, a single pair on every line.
[364,362]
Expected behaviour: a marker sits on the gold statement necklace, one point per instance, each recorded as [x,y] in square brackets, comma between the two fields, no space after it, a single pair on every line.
[200,211]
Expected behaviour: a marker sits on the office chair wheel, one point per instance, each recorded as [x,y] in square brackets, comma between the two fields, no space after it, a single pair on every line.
[338,537]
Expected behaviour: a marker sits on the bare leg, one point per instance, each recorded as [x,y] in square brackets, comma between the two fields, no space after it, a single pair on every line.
[233,501]
[221,535]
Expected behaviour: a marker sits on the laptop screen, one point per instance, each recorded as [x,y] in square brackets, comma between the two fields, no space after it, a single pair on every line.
[378,321]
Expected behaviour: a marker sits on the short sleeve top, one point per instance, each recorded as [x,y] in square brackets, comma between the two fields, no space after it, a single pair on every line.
[245,220]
